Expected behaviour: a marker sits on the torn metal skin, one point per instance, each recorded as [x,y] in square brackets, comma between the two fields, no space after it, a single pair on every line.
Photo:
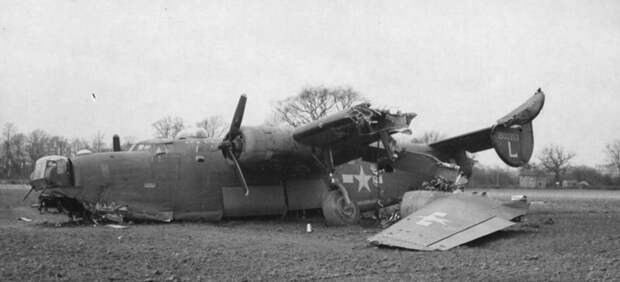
[96,212]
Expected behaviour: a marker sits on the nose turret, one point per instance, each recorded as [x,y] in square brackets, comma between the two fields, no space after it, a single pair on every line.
[51,171]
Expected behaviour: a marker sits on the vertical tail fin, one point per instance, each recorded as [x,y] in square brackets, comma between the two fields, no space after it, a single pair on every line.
[512,136]
[515,144]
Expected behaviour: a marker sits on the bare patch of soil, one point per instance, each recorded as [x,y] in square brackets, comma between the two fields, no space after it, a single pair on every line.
[561,239]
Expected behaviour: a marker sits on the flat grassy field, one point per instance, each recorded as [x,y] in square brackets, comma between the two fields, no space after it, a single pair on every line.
[565,237]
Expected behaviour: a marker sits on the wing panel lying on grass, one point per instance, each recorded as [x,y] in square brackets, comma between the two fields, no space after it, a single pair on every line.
[473,232]
[448,222]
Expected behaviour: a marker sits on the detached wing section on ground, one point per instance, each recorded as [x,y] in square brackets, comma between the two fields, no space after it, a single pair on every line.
[449,222]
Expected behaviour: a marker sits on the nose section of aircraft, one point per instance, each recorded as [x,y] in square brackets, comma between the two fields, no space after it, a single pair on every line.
[51,171]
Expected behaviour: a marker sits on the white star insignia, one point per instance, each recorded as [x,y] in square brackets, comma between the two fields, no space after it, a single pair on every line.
[362,180]
[438,217]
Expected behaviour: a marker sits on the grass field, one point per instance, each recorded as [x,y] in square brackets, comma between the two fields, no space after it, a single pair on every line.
[548,194]
[571,236]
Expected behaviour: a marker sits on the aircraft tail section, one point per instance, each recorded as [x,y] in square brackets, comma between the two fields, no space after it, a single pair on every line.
[511,136]
[513,145]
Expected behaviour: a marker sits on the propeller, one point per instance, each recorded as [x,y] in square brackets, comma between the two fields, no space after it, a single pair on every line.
[240,173]
[231,145]
[28,194]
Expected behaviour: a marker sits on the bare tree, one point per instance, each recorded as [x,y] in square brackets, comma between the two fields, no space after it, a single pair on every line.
[168,127]
[18,154]
[37,139]
[7,133]
[59,145]
[613,153]
[98,144]
[214,126]
[589,174]
[554,159]
[78,144]
[314,103]
[274,120]
[428,137]
[128,141]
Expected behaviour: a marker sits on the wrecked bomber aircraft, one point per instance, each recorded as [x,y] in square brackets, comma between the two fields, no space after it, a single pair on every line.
[255,170]
[344,164]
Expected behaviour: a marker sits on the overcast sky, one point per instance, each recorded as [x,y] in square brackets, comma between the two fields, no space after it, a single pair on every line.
[459,64]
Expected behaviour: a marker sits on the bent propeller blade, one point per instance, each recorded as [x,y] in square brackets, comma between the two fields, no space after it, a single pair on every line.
[240,172]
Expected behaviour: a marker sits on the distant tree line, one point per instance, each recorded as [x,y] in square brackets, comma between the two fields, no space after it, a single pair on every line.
[553,163]
[494,176]
[506,177]
[20,150]
[169,127]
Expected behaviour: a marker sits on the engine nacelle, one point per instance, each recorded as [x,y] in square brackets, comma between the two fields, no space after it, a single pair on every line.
[267,143]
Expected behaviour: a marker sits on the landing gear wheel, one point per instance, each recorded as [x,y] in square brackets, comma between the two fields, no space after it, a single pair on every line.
[336,210]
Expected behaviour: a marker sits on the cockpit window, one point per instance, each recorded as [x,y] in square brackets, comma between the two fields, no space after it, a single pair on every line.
[159,148]
[141,147]
[61,166]
[58,163]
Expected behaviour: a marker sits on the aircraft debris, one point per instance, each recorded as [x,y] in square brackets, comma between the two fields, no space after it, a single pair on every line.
[117,226]
[391,219]
[438,220]
[439,183]
[25,219]
[113,217]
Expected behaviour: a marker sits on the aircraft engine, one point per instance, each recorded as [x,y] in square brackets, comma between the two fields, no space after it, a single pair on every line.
[259,144]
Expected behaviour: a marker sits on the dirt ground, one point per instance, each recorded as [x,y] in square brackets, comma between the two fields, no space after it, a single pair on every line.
[563,238]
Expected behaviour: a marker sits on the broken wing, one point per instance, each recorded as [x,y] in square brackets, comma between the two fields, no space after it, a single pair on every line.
[448,222]
[360,124]
[347,133]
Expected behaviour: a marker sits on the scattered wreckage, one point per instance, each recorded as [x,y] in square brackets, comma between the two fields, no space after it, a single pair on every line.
[344,164]
[439,220]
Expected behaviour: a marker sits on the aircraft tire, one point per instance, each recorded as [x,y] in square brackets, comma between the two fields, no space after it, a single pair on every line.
[336,211]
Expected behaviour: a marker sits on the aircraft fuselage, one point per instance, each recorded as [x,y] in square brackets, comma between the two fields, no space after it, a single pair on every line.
[190,179]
